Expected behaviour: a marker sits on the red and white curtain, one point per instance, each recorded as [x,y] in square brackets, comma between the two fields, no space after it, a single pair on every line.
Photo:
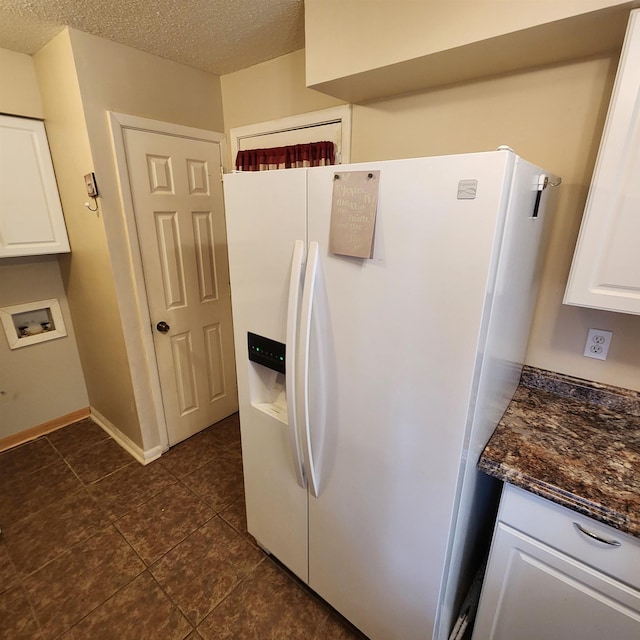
[311,154]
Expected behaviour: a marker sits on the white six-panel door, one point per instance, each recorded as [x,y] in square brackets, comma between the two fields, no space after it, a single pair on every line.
[177,197]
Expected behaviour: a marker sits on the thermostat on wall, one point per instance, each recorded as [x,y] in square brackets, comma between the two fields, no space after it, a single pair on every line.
[92,187]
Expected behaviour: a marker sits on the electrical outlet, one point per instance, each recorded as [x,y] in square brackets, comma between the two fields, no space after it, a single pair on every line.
[597,345]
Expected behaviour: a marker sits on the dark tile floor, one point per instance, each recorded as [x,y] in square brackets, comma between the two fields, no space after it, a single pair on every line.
[94,545]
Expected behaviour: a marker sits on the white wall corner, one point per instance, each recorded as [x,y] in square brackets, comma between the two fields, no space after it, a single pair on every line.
[141,455]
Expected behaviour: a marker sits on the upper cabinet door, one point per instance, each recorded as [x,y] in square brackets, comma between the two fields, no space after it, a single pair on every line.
[606,266]
[31,220]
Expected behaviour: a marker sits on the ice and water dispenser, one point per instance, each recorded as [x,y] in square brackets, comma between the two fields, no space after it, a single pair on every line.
[267,382]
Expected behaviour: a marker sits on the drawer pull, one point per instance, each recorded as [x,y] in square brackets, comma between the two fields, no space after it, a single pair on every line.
[595,536]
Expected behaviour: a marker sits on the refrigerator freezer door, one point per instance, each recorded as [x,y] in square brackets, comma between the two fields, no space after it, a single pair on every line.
[393,361]
[266,215]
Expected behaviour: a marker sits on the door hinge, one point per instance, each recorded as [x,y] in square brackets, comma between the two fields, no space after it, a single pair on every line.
[221,174]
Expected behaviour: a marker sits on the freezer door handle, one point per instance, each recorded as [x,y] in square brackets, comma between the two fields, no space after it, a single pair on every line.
[305,343]
[290,358]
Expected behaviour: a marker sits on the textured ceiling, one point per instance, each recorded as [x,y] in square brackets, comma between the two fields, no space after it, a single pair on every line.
[218,36]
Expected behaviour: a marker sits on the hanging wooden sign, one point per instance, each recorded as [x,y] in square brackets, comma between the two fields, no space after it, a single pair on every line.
[353,213]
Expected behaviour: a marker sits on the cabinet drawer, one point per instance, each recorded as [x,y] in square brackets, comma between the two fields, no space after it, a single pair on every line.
[557,527]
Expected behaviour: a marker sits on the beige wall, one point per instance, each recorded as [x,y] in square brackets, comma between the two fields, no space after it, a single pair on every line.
[19,94]
[113,77]
[43,381]
[86,271]
[346,37]
[274,89]
[81,78]
[118,78]
[270,90]
[552,116]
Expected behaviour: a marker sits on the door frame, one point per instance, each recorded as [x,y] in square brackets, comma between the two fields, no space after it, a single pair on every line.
[143,367]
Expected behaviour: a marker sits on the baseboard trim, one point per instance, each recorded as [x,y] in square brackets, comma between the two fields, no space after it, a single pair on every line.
[42,429]
[142,456]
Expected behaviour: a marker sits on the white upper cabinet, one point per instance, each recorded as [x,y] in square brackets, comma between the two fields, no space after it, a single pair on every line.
[31,220]
[605,273]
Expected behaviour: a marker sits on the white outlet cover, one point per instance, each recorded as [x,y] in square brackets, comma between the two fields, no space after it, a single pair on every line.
[597,345]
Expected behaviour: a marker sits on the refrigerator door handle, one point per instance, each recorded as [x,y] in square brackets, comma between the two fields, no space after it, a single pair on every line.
[305,343]
[290,358]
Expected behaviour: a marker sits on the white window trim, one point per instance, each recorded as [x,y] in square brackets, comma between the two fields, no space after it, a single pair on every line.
[341,114]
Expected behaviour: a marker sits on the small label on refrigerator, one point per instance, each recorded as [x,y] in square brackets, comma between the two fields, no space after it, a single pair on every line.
[353,213]
[467,189]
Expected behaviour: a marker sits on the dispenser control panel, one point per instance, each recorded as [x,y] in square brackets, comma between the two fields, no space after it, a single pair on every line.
[266,352]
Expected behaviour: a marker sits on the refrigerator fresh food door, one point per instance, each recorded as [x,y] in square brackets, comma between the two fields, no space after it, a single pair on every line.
[266,230]
[393,360]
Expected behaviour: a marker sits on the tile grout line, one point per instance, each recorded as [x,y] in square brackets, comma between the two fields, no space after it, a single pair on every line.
[244,534]
[205,462]
[148,565]
[32,608]
[215,515]
[145,568]
[69,466]
[215,512]
[40,509]
[265,558]
[27,574]
[108,475]
[33,471]
[171,599]
[118,590]
[138,504]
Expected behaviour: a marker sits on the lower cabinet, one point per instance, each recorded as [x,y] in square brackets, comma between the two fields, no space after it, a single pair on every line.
[556,575]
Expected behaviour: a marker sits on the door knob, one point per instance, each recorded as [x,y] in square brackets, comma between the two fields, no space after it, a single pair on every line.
[163,327]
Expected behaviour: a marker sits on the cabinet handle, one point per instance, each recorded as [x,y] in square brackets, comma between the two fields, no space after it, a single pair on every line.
[595,536]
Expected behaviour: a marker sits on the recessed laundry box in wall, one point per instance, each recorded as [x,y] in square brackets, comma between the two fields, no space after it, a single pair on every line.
[33,322]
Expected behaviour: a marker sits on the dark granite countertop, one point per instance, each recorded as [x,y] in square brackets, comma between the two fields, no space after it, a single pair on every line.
[574,442]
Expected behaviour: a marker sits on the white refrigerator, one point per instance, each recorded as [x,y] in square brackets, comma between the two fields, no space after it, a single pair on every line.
[369,386]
